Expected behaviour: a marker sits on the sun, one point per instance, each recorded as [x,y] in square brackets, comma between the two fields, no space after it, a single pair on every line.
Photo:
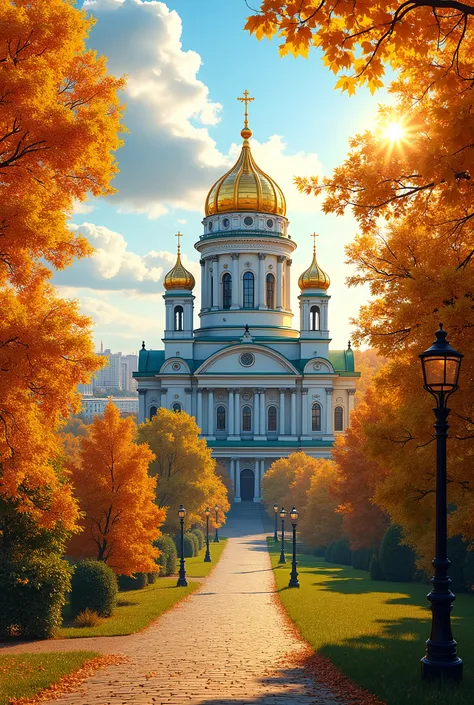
[394,132]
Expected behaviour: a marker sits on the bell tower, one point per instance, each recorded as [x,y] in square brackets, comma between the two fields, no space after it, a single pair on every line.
[179,307]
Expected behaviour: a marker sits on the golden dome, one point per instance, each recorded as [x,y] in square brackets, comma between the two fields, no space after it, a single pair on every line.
[314,277]
[245,187]
[179,277]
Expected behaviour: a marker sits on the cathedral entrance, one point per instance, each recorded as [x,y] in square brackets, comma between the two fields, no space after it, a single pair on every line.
[247,485]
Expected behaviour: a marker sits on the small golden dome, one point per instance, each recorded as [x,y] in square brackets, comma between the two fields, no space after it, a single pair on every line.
[179,277]
[245,187]
[314,277]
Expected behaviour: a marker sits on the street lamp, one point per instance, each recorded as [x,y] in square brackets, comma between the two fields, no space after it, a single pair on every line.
[282,552]
[441,365]
[216,537]
[294,514]
[207,557]
[275,535]
[182,582]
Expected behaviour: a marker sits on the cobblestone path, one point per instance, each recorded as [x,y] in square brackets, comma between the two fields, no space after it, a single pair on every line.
[228,643]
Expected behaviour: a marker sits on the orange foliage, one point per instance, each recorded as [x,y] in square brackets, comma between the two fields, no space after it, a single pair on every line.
[59,125]
[287,481]
[116,494]
[321,524]
[184,468]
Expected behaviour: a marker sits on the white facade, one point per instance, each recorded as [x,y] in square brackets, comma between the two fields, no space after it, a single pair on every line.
[258,387]
[95,406]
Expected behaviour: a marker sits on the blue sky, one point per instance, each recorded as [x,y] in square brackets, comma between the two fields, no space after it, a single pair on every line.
[187,62]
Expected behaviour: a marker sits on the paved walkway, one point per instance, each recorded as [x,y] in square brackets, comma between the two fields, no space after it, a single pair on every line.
[227,644]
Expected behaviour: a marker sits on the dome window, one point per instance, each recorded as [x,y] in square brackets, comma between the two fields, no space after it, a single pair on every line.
[248,221]
[226,222]
[210,225]
[270,223]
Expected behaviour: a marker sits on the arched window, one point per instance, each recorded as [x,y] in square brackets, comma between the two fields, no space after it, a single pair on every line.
[226,290]
[272,419]
[316,417]
[270,282]
[249,286]
[246,419]
[339,418]
[176,407]
[153,411]
[178,318]
[220,425]
[314,316]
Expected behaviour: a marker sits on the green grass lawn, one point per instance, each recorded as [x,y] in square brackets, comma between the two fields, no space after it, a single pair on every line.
[136,609]
[23,675]
[375,632]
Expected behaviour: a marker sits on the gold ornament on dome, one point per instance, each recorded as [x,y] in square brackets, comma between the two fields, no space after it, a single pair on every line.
[179,277]
[245,187]
[314,277]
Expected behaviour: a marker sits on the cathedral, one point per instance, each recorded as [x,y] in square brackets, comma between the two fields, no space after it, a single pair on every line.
[258,388]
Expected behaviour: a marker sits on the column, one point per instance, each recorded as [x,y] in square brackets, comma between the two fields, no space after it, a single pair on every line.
[187,400]
[237,480]
[232,473]
[263,426]
[279,282]
[256,413]
[351,393]
[304,412]
[230,428]
[282,412]
[261,275]
[199,408]
[235,280]
[293,411]
[210,412]
[256,487]
[141,405]
[163,393]
[289,262]
[215,283]
[207,287]
[329,391]
[237,415]
[202,262]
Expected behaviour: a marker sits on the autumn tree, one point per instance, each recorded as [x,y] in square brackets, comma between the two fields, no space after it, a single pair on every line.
[321,523]
[184,467]
[368,362]
[287,481]
[117,497]
[59,127]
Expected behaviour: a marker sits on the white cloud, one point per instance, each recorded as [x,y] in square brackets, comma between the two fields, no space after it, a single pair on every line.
[113,267]
[82,208]
[182,221]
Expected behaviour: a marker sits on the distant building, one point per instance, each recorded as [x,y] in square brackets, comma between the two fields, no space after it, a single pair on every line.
[110,377]
[129,366]
[95,406]
[87,390]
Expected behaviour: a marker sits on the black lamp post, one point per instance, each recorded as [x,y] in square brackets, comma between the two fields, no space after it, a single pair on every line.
[216,537]
[275,535]
[282,552]
[441,365]
[294,514]
[182,582]
[207,557]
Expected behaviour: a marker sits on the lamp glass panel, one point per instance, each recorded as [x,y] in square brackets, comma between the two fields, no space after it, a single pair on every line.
[275,508]
[441,373]
[453,365]
[182,512]
[207,512]
[282,514]
[294,516]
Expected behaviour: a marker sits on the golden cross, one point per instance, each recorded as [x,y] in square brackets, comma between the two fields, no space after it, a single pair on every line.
[314,236]
[245,99]
[178,235]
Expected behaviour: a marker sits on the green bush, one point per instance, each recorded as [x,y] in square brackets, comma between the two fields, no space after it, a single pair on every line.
[361,558]
[200,537]
[319,551]
[168,559]
[33,593]
[328,553]
[94,587]
[189,545]
[195,541]
[396,560]
[135,582]
[457,554]
[341,552]
[469,571]
[152,577]
[375,569]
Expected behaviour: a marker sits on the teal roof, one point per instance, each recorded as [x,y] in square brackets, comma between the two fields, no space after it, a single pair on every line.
[150,360]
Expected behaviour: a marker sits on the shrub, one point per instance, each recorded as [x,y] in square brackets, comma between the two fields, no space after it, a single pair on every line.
[361,558]
[469,571]
[190,545]
[375,569]
[135,582]
[88,618]
[33,592]
[457,553]
[94,586]
[396,560]
[168,559]
[319,551]
[200,537]
[341,552]
[152,577]
[195,542]
[328,553]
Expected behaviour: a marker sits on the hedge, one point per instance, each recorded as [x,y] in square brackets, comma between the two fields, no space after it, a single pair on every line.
[93,586]
[361,558]
[200,537]
[168,559]
[375,568]
[135,582]
[339,552]
[396,560]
